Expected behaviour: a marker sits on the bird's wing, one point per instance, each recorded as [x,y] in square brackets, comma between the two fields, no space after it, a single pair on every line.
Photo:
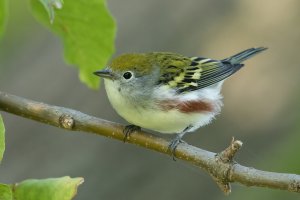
[197,74]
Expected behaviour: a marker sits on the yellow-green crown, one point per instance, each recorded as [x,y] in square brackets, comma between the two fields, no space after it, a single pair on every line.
[143,63]
[140,63]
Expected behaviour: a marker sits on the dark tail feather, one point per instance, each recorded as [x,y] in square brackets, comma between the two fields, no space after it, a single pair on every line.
[244,55]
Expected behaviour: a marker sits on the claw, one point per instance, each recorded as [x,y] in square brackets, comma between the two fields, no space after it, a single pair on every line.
[130,129]
[173,145]
[177,140]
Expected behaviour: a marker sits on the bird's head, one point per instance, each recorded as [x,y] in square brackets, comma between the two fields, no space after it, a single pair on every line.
[131,73]
[127,68]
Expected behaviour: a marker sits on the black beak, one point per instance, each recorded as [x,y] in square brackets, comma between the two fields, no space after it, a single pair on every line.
[105,73]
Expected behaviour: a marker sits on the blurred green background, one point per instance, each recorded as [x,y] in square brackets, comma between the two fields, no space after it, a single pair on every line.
[261,101]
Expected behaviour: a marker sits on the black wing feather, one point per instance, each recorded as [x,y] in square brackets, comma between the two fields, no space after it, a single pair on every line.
[214,71]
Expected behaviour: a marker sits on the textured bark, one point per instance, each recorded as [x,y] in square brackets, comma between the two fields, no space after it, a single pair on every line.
[219,165]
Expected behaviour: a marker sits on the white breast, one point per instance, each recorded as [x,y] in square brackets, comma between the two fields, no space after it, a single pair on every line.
[172,121]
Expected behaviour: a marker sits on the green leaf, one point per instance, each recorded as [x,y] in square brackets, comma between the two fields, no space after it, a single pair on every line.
[2,138]
[5,192]
[63,188]
[88,32]
[3,15]
[50,5]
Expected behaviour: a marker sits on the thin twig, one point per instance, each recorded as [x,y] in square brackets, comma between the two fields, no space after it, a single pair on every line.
[220,166]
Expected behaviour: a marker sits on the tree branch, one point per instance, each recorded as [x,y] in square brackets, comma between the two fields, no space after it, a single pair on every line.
[220,166]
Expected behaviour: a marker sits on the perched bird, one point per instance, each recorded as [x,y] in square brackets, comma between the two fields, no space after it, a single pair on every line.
[168,92]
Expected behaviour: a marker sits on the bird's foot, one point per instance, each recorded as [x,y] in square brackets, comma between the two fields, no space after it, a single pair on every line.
[130,129]
[174,143]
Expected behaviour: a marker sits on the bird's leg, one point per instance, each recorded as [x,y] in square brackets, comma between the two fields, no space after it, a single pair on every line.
[177,140]
[130,129]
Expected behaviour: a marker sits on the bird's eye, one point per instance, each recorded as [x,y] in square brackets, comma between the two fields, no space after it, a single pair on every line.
[127,75]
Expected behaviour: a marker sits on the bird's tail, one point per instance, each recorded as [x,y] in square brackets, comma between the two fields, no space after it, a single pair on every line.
[244,55]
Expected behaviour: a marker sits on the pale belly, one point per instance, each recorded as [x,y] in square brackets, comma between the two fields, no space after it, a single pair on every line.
[172,121]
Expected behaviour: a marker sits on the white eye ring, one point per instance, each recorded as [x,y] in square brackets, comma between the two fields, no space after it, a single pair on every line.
[128,75]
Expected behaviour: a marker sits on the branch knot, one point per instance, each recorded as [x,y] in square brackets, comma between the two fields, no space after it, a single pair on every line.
[225,158]
[66,121]
[294,186]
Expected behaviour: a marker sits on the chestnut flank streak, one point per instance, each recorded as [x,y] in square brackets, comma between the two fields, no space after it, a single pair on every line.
[187,106]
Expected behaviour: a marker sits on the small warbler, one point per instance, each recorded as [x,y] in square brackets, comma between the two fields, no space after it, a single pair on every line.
[168,92]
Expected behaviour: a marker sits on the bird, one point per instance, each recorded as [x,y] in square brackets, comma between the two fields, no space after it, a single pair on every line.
[168,92]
